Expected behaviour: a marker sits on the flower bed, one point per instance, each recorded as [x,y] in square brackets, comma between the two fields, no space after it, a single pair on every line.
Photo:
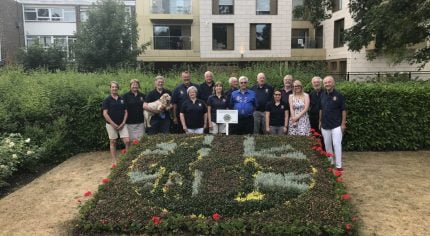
[221,185]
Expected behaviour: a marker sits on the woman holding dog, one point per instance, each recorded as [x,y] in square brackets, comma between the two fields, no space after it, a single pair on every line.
[134,101]
[215,102]
[160,122]
[193,114]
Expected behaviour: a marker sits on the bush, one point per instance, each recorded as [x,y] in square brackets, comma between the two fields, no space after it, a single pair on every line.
[220,185]
[37,57]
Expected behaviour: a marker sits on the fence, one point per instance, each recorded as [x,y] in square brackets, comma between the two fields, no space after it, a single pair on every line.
[383,76]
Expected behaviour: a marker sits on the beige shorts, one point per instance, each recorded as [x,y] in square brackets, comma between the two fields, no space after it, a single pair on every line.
[217,128]
[135,131]
[113,133]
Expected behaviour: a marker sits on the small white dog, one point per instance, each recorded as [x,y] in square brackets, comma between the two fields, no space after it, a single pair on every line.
[162,104]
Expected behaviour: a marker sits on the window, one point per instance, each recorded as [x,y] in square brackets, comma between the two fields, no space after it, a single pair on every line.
[172,37]
[222,7]
[171,6]
[267,7]
[338,33]
[260,36]
[337,5]
[50,14]
[223,36]
[300,38]
[47,41]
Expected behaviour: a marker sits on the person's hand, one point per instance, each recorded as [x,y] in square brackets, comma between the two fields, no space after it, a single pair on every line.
[319,125]
[294,119]
[205,126]
[175,120]
[185,129]
[268,130]
[285,129]
[120,126]
[210,125]
[115,126]
[343,127]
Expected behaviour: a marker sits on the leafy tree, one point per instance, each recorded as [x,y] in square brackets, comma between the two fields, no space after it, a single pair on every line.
[35,57]
[394,26]
[108,39]
[314,11]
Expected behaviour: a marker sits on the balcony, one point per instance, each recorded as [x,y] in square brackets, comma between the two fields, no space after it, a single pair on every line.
[306,42]
[179,7]
[171,43]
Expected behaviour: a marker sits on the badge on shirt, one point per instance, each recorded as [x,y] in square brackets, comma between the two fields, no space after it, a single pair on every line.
[267,90]
[182,92]
[200,104]
[282,107]
[223,100]
[122,101]
[141,99]
[238,98]
[334,98]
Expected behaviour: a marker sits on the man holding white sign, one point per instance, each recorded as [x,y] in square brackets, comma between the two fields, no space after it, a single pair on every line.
[244,101]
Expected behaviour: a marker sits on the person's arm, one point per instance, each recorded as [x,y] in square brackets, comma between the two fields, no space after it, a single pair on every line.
[343,125]
[175,119]
[320,120]
[306,107]
[205,118]
[108,119]
[267,121]
[182,118]
[209,116]
[286,121]
[290,101]
[123,121]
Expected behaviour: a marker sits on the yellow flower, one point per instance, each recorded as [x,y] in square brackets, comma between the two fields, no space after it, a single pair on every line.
[252,196]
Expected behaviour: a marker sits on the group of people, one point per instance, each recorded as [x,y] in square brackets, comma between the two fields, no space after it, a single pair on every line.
[261,109]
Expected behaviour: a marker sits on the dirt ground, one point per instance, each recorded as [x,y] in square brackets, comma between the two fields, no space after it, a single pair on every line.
[391,191]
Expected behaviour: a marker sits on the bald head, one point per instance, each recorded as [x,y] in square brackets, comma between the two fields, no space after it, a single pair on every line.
[261,78]
[329,83]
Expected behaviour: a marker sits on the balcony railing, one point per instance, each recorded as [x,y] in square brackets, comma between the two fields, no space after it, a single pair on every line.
[171,7]
[171,43]
[306,42]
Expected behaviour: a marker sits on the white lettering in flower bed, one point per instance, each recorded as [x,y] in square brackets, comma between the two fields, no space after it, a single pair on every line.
[226,117]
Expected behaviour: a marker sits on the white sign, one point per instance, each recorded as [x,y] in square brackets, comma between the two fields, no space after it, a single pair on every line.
[226,116]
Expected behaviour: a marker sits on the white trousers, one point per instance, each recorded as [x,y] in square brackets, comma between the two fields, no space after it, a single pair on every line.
[333,139]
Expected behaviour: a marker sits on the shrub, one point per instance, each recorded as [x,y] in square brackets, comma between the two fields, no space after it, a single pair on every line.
[186,184]
[37,57]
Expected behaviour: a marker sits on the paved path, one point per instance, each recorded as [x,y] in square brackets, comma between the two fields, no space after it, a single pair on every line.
[43,206]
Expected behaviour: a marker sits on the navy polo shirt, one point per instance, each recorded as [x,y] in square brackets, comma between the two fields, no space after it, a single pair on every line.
[205,91]
[180,95]
[194,113]
[216,103]
[277,113]
[315,97]
[153,96]
[284,97]
[134,105]
[244,103]
[116,108]
[264,94]
[332,104]
[227,94]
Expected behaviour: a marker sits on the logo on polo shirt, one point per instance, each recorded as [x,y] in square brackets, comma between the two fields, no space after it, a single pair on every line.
[141,99]
[122,101]
[182,92]
[334,98]
[200,104]
[282,106]
[267,90]
[223,100]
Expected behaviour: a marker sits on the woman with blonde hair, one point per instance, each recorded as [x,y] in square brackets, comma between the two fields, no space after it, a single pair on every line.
[299,104]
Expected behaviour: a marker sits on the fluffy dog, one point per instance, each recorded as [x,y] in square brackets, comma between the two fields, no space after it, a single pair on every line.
[162,104]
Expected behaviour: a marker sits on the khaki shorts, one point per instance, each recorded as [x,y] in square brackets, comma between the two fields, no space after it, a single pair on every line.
[135,131]
[113,133]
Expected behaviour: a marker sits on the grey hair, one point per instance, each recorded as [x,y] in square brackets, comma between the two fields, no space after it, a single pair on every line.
[191,88]
[243,78]
[231,79]
[316,78]
[159,77]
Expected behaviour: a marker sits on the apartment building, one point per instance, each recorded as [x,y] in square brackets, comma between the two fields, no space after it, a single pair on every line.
[48,22]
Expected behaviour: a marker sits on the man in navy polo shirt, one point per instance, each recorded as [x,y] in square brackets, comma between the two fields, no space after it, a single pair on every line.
[206,88]
[332,119]
[244,101]
[234,83]
[179,96]
[264,94]
[134,100]
[160,122]
[115,114]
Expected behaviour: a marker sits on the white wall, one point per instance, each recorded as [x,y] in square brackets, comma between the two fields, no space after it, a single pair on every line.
[244,15]
[49,28]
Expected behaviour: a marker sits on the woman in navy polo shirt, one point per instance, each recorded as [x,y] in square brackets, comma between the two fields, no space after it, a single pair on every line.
[215,102]
[276,115]
[193,113]
[115,114]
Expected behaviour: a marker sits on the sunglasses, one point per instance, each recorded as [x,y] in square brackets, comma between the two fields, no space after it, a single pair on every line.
[277,94]
[243,82]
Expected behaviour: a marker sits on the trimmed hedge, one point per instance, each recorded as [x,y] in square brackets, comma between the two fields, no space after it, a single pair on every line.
[221,185]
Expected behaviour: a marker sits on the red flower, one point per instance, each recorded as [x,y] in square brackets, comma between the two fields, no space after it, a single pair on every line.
[339,179]
[216,216]
[329,154]
[319,149]
[113,166]
[348,227]
[346,197]
[87,194]
[105,180]
[330,169]
[314,148]
[135,142]
[124,151]
[323,153]
[316,134]
[337,173]
[156,220]
[104,221]
[312,130]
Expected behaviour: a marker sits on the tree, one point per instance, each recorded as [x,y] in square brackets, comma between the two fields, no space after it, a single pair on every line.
[108,39]
[395,27]
[35,57]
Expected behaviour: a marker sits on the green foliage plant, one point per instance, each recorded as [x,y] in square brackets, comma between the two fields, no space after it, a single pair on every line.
[36,56]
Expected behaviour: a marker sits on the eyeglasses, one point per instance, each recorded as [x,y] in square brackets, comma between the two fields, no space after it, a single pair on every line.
[243,82]
[277,94]
[297,86]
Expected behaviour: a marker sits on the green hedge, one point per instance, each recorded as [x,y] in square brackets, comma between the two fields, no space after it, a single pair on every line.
[221,185]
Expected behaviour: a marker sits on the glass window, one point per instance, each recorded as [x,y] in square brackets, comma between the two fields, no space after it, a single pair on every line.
[172,37]
[56,14]
[30,14]
[337,5]
[31,40]
[69,15]
[43,14]
[338,33]
[260,36]
[267,7]
[222,7]
[300,38]
[223,36]
[171,6]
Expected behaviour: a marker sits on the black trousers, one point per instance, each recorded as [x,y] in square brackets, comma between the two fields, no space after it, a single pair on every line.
[159,126]
[245,126]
